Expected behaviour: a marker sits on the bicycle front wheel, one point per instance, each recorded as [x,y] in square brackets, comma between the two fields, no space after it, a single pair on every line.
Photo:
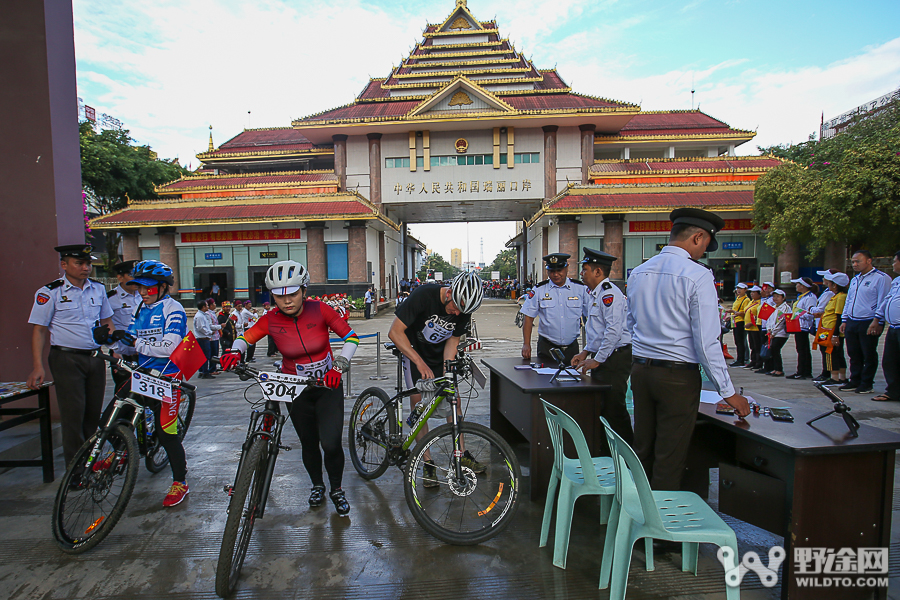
[466,509]
[93,494]
[369,432]
[186,412]
[246,497]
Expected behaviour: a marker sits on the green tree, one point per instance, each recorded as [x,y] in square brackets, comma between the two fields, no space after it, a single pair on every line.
[437,263]
[114,169]
[844,189]
[505,262]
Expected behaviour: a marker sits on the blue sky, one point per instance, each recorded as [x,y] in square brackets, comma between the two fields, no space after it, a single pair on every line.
[170,68]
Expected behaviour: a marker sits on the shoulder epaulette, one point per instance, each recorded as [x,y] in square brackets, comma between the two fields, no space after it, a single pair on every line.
[110,293]
[544,282]
[96,281]
[606,286]
[54,284]
[578,281]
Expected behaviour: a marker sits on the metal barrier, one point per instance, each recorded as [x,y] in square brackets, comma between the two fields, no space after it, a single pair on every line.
[348,376]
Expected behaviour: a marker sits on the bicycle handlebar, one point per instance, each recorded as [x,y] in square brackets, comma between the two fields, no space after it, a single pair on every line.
[245,372]
[121,363]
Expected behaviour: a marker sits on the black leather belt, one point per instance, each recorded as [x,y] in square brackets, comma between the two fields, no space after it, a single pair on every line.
[666,364]
[625,347]
[72,350]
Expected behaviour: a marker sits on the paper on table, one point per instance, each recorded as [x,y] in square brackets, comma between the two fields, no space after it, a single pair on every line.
[708,397]
[548,371]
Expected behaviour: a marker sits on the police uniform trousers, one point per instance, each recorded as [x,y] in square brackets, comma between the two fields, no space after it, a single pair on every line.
[80,382]
[122,378]
[543,351]
[616,371]
[666,400]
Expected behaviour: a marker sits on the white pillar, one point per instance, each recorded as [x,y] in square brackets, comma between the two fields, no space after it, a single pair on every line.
[626,152]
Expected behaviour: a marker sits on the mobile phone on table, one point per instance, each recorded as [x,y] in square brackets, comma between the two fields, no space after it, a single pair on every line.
[781,414]
[723,408]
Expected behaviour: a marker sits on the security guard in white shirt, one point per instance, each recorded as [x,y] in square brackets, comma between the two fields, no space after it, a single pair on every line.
[674,314]
[123,300]
[561,303]
[69,308]
[607,348]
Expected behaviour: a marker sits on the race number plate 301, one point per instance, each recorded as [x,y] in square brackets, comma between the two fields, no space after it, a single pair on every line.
[151,387]
[281,387]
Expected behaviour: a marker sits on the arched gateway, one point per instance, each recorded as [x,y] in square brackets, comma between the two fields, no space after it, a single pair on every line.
[465,129]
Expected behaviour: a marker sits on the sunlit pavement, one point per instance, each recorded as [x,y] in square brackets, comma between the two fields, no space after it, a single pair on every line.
[379,551]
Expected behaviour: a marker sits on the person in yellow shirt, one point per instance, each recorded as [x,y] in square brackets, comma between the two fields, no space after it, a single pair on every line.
[831,320]
[751,326]
[741,302]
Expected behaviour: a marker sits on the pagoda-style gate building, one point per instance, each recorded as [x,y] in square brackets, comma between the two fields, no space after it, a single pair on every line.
[464,129]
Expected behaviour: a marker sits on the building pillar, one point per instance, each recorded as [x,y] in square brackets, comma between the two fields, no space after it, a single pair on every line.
[340,160]
[587,150]
[41,163]
[356,250]
[169,254]
[545,241]
[375,169]
[316,258]
[550,160]
[836,256]
[524,277]
[405,251]
[788,260]
[381,262]
[568,241]
[614,243]
[130,248]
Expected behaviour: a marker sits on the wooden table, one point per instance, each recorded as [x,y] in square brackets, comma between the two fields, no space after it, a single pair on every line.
[815,485]
[12,391]
[516,413]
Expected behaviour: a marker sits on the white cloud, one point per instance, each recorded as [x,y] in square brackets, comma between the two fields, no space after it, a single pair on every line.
[170,68]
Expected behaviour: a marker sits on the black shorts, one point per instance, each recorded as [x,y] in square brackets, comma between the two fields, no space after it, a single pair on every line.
[411,372]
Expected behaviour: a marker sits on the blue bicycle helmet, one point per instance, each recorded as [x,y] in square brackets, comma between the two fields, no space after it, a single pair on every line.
[152,272]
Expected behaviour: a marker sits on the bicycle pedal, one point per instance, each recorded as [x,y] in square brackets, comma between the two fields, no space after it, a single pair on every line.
[228,489]
[285,448]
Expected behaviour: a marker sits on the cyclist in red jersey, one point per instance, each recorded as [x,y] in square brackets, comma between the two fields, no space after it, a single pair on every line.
[300,328]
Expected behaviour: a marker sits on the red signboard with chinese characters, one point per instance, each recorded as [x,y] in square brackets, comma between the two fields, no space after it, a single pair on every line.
[253,235]
[665,226]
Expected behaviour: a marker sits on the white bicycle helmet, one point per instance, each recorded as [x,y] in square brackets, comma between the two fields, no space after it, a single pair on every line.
[286,277]
[467,292]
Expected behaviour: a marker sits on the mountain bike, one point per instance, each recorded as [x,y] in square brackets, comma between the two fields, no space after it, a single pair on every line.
[453,501]
[99,481]
[250,490]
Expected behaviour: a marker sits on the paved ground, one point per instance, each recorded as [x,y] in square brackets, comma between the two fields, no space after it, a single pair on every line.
[380,551]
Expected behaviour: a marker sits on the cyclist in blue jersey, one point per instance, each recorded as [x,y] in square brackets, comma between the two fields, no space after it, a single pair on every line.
[158,326]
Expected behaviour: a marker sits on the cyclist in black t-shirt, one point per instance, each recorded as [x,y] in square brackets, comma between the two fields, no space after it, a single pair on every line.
[427,328]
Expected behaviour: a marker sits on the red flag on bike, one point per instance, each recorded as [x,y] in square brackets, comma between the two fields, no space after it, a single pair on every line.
[188,356]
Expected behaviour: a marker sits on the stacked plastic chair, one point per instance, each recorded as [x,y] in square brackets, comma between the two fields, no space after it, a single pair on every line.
[573,477]
[638,512]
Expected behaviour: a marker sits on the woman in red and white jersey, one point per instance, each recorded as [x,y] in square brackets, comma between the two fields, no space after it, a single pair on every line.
[300,328]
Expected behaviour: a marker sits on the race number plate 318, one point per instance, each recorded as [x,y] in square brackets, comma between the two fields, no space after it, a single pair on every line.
[281,387]
[151,387]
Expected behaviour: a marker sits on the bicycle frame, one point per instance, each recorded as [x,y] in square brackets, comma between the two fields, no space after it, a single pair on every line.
[270,429]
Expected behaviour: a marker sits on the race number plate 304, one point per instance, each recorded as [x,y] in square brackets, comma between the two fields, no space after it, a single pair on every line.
[151,387]
[281,387]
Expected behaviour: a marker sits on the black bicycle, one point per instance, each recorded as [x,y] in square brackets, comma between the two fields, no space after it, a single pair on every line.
[250,491]
[461,481]
[99,481]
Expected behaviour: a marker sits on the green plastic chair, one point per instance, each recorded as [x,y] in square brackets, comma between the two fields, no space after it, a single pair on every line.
[569,476]
[638,512]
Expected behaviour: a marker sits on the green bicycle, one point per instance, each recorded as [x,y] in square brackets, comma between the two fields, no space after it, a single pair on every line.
[461,481]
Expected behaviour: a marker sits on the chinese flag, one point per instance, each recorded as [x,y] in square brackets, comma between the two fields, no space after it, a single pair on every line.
[188,356]
[765,311]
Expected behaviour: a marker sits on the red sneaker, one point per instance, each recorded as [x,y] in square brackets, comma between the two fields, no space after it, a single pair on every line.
[176,494]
